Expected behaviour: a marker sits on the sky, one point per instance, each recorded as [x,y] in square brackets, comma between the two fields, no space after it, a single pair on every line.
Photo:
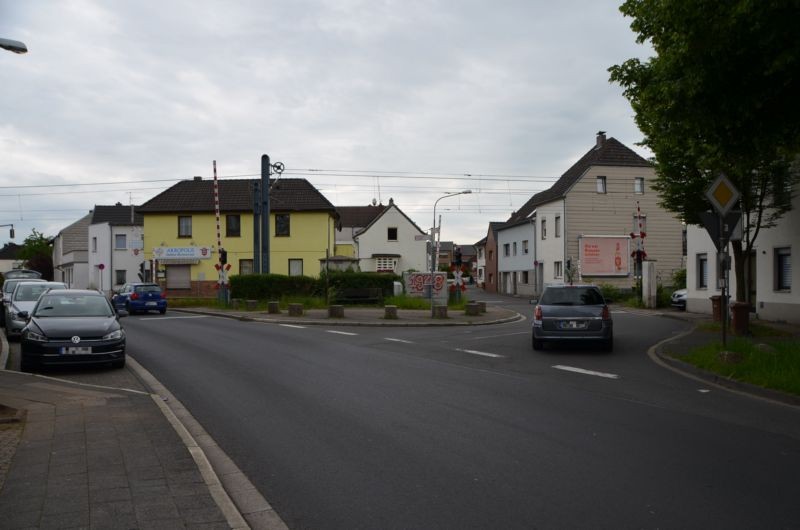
[116,101]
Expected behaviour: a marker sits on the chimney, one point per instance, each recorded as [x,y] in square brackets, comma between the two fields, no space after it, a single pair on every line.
[601,139]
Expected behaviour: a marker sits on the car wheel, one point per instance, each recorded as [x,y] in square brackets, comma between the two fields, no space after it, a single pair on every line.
[608,344]
[537,344]
[162,311]
[128,308]
[118,364]
[26,365]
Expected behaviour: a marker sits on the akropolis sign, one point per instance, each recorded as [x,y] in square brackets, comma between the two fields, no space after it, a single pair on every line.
[165,253]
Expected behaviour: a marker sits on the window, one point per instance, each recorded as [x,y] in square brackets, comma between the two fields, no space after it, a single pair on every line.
[601,184]
[94,244]
[783,269]
[233,226]
[702,271]
[245,266]
[385,265]
[119,276]
[524,246]
[295,267]
[282,225]
[515,248]
[638,185]
[506,249]
[391,233]
[558,270]
[120,242]
[544,229]
[524,276]
[558,226]
[184,226]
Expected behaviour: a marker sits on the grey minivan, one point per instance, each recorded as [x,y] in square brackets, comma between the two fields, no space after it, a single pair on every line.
[572,313]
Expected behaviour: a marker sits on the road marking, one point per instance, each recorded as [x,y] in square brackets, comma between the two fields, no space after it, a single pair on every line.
[586,372]
[292,326]
[399,340]
[482,353]
[340,332]
[501,335]
[173,318]
[703,390]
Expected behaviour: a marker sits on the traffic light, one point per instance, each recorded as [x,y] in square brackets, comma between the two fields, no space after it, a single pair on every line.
[223,256]
[12,232]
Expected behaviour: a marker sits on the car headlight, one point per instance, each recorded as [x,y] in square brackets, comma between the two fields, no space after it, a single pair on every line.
[118,334]
[32,335]
[15,316]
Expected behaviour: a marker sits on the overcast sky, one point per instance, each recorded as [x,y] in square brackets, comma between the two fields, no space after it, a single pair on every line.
[117,100]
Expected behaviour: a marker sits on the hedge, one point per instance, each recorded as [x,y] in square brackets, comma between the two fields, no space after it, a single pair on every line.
[276,286]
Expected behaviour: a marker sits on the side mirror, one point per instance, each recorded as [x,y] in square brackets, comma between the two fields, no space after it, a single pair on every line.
[24,315]
[122,313]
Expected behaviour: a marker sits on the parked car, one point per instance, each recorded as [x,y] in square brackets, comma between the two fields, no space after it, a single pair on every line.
[8,288]
[22,299]
[21,273]
[572,313]
[72,327]
[140,297]
[679,299]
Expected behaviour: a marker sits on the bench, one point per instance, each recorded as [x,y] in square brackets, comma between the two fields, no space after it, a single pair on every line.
[360,295]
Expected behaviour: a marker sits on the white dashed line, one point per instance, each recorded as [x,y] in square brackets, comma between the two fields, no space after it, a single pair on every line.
[703,390]
[585,372]
[340,332]
[172,318]
[292,326]
[399,340]
[481,353]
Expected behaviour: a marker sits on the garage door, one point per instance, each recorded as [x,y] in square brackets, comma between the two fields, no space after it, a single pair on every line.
[179,277]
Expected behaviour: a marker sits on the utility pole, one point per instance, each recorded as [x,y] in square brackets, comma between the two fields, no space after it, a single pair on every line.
[266,171]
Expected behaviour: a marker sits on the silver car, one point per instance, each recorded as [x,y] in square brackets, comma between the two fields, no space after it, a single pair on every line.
[8,289]
[23,298]
[572,313]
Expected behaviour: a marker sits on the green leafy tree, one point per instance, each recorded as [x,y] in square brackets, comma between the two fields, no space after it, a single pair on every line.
[719,96]
[38,254]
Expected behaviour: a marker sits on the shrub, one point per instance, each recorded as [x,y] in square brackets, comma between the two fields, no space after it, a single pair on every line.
[274,286]
[610,292]
[679,279]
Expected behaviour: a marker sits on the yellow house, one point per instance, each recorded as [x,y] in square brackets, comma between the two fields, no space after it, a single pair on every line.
[182,238]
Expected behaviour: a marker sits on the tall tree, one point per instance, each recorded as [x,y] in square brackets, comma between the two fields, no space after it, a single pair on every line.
[38,254]
[719,96]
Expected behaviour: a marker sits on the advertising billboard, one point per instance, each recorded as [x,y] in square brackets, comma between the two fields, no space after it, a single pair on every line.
[605,255]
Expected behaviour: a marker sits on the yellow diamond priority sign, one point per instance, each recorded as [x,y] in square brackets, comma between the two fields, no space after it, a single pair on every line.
[722,195]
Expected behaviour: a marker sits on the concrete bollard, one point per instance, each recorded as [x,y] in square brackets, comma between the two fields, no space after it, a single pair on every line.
[273,307]
[390,312]
[236,303]
[472,309]
[336,311]
[440,311]
[251,305]
[295,310]
[482,306]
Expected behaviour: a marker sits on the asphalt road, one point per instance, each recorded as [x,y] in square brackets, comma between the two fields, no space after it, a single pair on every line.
[469,428]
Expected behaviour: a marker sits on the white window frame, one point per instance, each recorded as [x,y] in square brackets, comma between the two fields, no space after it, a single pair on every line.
[701,261]
[602,184]
[783,269]
[558,226]
[117,238]
[638,185]
[558,269]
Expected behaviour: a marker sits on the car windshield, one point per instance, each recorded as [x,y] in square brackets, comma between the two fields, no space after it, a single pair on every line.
[31,293]
[73,305]
[148,289]
[572,296]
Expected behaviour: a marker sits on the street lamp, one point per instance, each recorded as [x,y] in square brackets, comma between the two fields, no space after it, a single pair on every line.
[434,257]
[13,46]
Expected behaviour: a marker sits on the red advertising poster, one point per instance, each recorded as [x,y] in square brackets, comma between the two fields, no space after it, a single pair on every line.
[605,255]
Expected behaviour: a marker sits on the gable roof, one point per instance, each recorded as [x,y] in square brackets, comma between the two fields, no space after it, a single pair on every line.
[358,216]
[386,209]
[76,236]
[607,152]
[197,195]
[117,215]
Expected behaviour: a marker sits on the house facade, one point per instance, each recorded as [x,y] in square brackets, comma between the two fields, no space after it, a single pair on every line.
[390,243]
[480,262]
[772,292]
[516,255]
[115,256]
[181,236]
[587,224]
[71,255]
[490,270]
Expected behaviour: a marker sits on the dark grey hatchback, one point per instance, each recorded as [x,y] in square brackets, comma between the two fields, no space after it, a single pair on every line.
[572,313]
[73,327]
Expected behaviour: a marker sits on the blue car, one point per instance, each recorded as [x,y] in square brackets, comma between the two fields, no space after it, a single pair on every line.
[140,298]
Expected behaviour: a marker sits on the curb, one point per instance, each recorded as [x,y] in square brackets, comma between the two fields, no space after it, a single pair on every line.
[344,322]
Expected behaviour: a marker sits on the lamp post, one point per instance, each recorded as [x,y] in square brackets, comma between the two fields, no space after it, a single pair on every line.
[13,46]
[434,257]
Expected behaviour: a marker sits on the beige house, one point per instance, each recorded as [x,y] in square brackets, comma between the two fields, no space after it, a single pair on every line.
[587,225]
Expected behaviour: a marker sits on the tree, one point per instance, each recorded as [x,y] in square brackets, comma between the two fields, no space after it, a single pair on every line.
[719,96]
[38,254]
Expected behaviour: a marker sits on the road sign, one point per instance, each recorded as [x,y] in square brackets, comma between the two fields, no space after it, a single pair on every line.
[731,227]
[722,194]
[423,237]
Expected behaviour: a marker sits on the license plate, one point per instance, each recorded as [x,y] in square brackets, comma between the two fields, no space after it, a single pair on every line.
[76,350]
[573,324]
[151,304]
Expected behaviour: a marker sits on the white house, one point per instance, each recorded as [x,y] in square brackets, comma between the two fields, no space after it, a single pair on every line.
[516,254]
[70,254]
[389,243]
[480,262]
[115,246]
[773,293]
